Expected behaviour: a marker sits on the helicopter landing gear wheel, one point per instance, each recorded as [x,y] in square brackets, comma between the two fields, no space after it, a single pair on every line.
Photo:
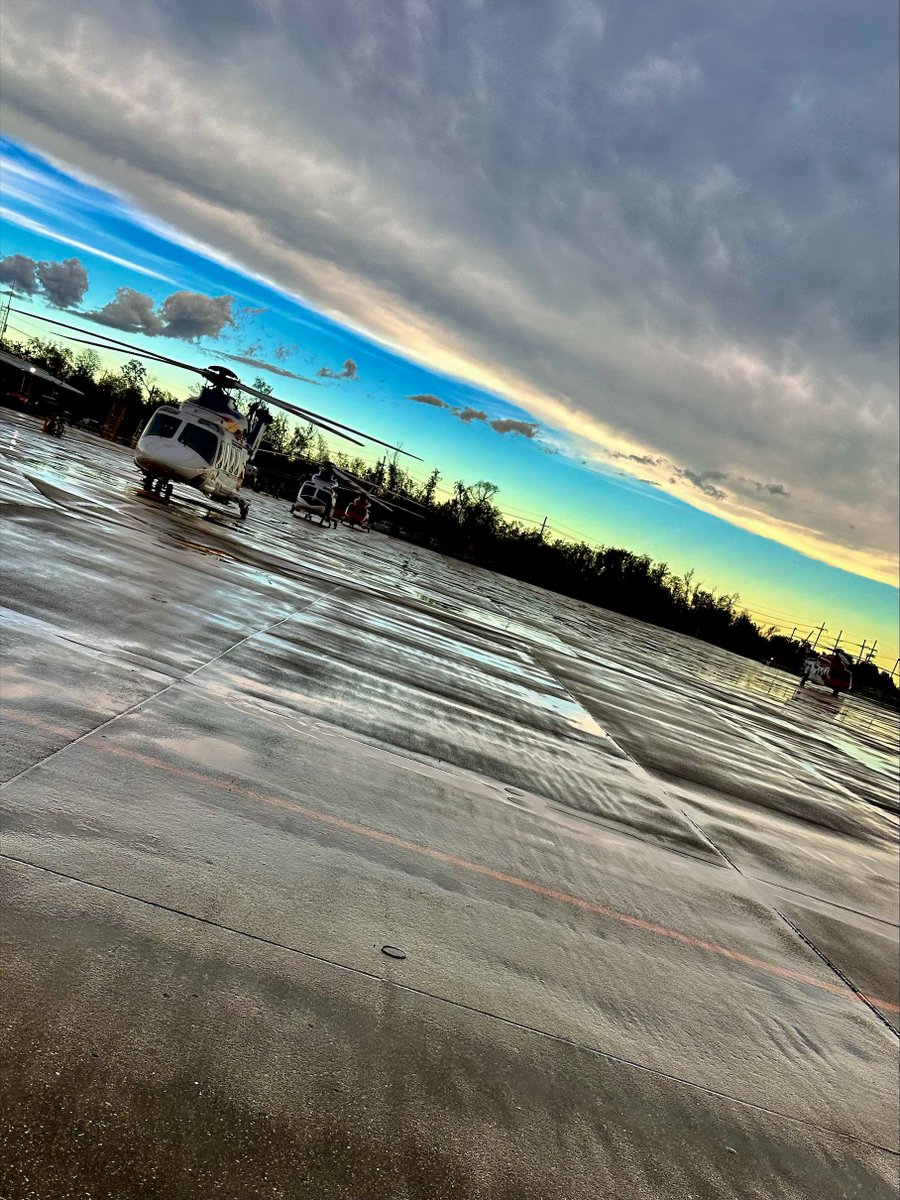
[147,484]
[166,493]
[244,506]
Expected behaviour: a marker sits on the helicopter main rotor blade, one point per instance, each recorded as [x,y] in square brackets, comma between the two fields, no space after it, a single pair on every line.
[150,357]
[159,358]
[317,418]
[325,423]
[116,343]
[366,484]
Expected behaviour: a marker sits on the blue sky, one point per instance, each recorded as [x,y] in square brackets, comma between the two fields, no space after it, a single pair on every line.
[697,326]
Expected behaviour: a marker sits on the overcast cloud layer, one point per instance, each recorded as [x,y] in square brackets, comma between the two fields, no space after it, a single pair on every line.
[667,230]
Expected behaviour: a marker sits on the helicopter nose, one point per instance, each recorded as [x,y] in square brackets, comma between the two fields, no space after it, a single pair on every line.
[174,458]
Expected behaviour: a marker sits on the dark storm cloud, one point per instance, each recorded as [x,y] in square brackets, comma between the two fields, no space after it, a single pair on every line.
[17,272]
[427,398]
[681,217]
[184,315]
[349,371]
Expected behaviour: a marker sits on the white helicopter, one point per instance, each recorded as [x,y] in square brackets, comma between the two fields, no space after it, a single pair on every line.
[206,443]
[337,496]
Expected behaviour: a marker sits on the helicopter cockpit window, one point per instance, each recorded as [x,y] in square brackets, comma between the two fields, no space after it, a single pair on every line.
[202,441]
[163,425]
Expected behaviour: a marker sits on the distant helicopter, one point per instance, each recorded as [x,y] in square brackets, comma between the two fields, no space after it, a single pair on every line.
[206,443]
[345,499]
[833,670]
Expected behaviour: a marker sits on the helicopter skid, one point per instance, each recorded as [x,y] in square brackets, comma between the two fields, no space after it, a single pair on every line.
[211,510]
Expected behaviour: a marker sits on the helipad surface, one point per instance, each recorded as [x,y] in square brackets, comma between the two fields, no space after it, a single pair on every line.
[646,891]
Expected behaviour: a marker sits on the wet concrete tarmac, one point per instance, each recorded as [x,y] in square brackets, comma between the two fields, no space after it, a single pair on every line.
[647,891]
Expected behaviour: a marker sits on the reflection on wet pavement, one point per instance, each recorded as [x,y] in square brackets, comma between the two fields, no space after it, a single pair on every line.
[242,759]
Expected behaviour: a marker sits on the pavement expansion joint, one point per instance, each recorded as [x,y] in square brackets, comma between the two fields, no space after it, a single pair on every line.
[321,817]
[840,974]
[808,941]
[167,687]
[424,993]
[822,900]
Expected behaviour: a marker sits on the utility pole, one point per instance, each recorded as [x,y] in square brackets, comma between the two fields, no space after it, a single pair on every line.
[9,300]
[872,650]
[819,633]
[862,651]
[543,526]
[837,640]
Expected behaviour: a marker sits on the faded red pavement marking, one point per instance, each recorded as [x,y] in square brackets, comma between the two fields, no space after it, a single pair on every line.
[517,881]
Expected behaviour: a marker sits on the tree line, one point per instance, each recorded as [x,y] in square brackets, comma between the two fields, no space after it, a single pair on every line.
[467,524]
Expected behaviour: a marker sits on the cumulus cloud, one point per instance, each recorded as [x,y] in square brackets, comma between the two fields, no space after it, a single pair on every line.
[131,311]
[190,315]
[63,283]
[527,429]
[469,414]
[349,371]
[675,228]
[17,272]
[185,315]
[428,398]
